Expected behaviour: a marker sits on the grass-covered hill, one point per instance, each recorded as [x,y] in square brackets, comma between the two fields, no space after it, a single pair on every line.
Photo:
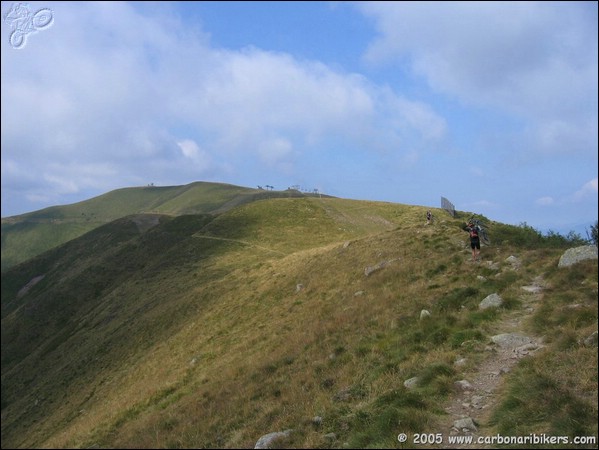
[211,330]
[28,235]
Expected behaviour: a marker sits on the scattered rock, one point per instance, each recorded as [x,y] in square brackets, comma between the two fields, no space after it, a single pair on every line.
[412,383]
[514,262]
[330,437]
[577,254]
[491,301]
[532,289]
[591,341]
[272,440]
[424,314]
[463,385]
[511,340]
[478,401]
[465,424]
[492,265]
[460,362]
[371,269]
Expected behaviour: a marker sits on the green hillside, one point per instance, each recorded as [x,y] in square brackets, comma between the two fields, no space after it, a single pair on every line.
[186,329]
[31,234]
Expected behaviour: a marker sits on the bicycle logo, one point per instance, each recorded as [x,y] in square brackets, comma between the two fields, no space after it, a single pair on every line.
[23,22]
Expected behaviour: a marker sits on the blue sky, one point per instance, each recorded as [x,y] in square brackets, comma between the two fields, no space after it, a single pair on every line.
[492,105]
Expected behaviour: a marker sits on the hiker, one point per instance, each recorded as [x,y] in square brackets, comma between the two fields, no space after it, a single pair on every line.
[429,217]
[472,229]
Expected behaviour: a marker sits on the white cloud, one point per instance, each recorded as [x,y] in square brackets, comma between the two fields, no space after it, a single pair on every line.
[61,185]
[96,90]
[588,190]
[535,59]
[119,94]
[201,159]
[189,148]
[257,93]
[418,117]
[275,150]
[483,204]
[545,201]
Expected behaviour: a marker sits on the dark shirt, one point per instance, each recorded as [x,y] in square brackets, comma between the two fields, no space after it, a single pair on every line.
[473,231]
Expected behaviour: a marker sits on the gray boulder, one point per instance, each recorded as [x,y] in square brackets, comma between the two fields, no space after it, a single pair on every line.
[491,301]
[577,254]
[272,440]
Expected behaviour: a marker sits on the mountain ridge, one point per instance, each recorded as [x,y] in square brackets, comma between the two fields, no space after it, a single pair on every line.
[211,330]
[27,235]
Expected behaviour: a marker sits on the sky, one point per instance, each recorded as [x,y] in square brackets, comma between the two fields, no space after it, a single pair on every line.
[492,105]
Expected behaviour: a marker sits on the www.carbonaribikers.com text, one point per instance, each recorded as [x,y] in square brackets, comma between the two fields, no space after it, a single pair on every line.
[537,439]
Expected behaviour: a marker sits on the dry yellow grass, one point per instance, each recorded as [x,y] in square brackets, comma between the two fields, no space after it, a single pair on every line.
[292,328]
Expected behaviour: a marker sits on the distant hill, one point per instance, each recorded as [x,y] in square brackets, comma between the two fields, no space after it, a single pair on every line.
[30,234]
[175,326]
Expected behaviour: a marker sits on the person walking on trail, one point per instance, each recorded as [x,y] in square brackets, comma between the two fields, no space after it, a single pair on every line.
[472,229]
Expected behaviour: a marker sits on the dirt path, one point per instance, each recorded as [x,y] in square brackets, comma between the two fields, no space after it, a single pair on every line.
[470,409]
[237,241]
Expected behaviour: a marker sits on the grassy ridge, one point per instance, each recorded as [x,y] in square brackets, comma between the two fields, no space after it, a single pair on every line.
[29,235]
[210,331]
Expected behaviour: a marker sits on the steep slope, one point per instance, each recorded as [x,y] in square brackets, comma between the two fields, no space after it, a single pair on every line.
[30,234]
[303,314]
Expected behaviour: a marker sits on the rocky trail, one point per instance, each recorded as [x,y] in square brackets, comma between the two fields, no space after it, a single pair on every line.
[469,410]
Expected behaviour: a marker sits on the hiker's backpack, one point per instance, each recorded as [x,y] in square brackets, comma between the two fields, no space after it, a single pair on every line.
[474,231]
